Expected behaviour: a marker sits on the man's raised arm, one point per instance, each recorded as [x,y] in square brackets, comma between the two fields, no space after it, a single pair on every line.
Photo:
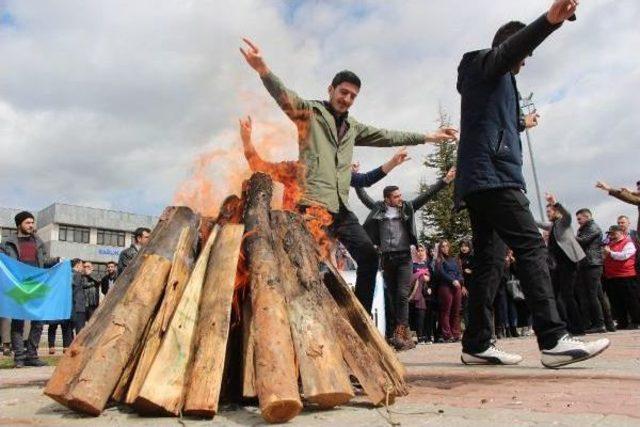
[505,56]
[375,137]
[287,99]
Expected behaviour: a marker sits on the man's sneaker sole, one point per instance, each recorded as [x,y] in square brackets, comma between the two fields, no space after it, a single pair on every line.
[586,356]
[485,361]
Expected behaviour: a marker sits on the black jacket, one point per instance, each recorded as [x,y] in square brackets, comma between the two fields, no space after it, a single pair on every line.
[126,256]
[78,296]
[490,150]
[104,283]
[372,223]
[590,238]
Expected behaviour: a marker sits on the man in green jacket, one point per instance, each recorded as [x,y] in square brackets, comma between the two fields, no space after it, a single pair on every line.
[326,137]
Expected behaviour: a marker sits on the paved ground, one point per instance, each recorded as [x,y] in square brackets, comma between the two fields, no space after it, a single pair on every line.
[601,392]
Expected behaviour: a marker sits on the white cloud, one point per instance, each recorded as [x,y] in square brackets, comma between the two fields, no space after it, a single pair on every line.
[109,103]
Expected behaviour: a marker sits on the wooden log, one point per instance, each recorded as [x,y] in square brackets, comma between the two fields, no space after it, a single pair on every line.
[361,322]
[325,380]
[275,365]
[180,270]
[88,373]
[305,255]
[248,361]
[212,330]
[162,390]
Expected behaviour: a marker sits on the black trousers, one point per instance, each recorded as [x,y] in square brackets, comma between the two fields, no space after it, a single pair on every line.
[623,293]
[67,333]
[498,217]
[564,279]
[17,342]
[397,268]
[351,234]
[587,287]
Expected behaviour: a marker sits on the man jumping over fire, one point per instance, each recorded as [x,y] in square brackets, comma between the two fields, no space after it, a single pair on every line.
[326,137]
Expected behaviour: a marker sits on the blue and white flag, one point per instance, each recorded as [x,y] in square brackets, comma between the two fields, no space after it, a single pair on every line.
[33,293]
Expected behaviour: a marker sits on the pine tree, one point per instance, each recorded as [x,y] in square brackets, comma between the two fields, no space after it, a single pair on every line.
[438,217]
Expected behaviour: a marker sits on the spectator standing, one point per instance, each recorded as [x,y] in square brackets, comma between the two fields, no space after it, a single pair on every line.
[567,252]
[595,308]
[449,287]
[465,261]
[140,239]
[5,336]
[505,306]
[91,289]
[109,279]
[79,306]
[620,277]
[27,248]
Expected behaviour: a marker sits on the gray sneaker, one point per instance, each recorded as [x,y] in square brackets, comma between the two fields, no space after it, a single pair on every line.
[571,350]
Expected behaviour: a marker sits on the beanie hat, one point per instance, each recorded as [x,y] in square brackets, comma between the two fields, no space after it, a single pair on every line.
[22,216]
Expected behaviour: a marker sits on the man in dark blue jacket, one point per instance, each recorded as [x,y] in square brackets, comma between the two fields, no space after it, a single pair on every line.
[491,184]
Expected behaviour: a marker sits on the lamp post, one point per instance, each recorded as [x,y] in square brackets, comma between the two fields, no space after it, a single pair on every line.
[527,107]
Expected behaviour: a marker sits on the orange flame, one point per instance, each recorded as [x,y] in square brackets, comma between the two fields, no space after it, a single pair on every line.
[318,220]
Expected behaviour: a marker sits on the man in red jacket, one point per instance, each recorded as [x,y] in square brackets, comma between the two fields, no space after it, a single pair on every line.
[620,277]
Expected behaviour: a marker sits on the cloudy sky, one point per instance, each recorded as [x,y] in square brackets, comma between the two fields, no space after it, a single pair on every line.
[116,104]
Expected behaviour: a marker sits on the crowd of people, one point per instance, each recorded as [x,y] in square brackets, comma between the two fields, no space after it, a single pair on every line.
[22,338]
[595,279]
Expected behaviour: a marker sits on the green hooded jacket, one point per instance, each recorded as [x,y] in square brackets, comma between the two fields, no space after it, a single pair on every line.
[327,161]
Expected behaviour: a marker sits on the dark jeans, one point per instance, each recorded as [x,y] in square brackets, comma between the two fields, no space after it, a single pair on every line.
[564,279]
[606,307]
[507,312]
[588,285]
[450,298]
[499,217]
[17,342]
[78,320]
[67,333]
[423,322]
[90,310]
[351,234]
[623,293]
[396,270]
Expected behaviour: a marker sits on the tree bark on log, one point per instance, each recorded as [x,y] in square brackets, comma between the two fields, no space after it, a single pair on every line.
[325,380]
[163,389]
[87,375]
[275,365]
[361,322]
[305,255]
[181,267]
[248,361]
[212,330]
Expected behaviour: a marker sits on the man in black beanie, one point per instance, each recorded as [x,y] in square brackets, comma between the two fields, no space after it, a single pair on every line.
[28,248]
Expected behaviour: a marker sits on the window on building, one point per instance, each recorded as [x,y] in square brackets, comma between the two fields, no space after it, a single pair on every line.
[8,232]
[111,238]
[70,233]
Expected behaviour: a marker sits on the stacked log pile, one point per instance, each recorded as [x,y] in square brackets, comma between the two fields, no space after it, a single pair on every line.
[245,314]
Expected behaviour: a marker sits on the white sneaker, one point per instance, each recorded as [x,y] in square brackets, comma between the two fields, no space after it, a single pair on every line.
[491,356]
[571,350]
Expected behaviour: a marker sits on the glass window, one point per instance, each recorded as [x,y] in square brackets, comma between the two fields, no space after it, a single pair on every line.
[99,270]
[8,232]
[110,238]
[70,233]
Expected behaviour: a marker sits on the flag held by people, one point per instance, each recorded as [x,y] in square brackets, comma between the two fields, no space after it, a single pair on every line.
[32,293]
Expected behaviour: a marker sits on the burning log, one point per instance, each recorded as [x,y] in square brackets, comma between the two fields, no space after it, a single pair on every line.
[162,341]
[87,375]
[212,331]
[324,376]
[276,371]
[163,387]
[351,309]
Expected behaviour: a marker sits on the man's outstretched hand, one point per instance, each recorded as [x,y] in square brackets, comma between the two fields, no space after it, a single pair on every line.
[603,186]
[531,120]
[245,129]
[398,158]
[561,10]
[253,57]
[443,134]
[450,175]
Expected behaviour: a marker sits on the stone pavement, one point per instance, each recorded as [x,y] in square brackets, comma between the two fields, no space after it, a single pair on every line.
[601,392]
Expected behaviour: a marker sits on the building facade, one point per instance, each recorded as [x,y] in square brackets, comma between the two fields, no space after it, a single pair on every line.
[91,234]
